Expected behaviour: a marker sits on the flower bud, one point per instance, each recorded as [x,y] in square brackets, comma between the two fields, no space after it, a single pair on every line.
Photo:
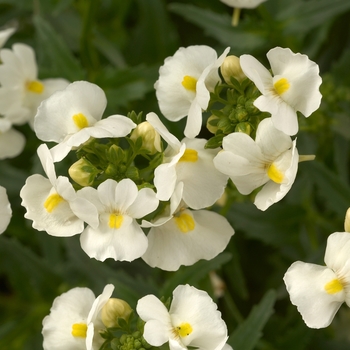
[232,68]
[150,137]
[243,127]
[211,127]
[83,172]
[347,221]
[114,309]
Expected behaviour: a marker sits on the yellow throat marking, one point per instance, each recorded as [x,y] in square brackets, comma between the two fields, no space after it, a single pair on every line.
[274,174]
[115,220]
[333,286]
[52,202]
[79,330]
[184,329]
[281,86]
[189,83]
[80,120]
[190,155]
[35,86]
[184,222]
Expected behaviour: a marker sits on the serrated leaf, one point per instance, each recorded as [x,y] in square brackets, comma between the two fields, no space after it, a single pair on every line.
[246,336]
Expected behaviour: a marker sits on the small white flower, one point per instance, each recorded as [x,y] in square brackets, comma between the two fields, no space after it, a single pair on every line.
[185,236]
[112,230]
[188,162]
[243,4]
[48,201]
[70,117]
[319,291]
[185,82]
[5,210]
[74,321]
[271,160]
[5,34]
[192,320]
[21,92]
[11,141]
[293,87]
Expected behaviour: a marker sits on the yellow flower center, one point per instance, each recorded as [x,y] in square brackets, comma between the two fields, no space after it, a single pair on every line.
[185,222]
[184,329]
[79,330]
[80,120]
[52,202]
[189,83]
[190,155]
[274,174]
[281,86]
[333,286]
[115,220]
[35,86]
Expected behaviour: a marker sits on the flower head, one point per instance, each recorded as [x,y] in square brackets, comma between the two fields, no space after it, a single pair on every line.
[271,160]
[185,82]
[192,320]
[319,291]
[5,210]
[74,321]
[294,86]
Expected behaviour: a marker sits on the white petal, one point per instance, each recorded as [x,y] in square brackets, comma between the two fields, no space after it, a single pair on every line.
[113,126]
[99,302]
[5,34]
[5,210]
[306,286]
[46,161]
[247,4]
[145,203]
[12,143]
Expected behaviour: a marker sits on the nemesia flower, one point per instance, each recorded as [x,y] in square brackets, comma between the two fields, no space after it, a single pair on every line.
[192,321]
[112,230]
[188,162]
[70,117]
[246,4]
[11,141]
[74,321]
[294,86]
[21,92]
[271,160]
[319,291]
[48,201]
[185,236]
[185,82]
[5,34]
[5,210]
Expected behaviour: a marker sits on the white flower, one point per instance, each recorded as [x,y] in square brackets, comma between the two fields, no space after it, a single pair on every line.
[193,320]
[74,321]
[246,4]
[11,141]
[185,236]
[185,82]
[5,34]
[188,162]
[5,210]
[48,201]
[112,230]
[318,291]
[70,117]
[21,92]
[293,87]
[271,160]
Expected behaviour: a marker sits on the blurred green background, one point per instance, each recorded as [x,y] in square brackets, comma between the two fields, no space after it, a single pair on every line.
[120,45]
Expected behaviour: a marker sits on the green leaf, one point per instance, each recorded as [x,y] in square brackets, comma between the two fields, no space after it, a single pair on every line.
[246,336]
[219,27]
[55,56]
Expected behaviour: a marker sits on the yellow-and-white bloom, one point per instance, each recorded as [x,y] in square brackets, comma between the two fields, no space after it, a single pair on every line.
[319,291]
[21,91]
[271,160]
[188,162]
[293,86]
[70,117]
[75,320]
[192,321]
[5,210]
[185,82]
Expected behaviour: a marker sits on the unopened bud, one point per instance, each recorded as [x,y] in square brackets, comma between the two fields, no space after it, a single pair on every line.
[210,127]
[114,309]
[347,221]
[243,127]
[150,137]
[232,68]
[83,172]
